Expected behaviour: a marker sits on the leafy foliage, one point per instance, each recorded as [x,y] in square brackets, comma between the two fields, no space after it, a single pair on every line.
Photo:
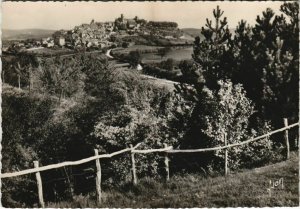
[60,77]
[134,58]
[22,65]
[259,59]
[212,54]
[267,63]
[143,118]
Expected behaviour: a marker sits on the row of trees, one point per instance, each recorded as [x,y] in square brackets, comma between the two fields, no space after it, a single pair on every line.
[241,83]
[162,24]
[100,107]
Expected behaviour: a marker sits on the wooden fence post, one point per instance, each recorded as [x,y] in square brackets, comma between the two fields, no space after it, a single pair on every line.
[39,185]
[3,78]
[98,178]
[286,136]
[19,81]
[30,86]
[133,166]
[226,154]
[167,164]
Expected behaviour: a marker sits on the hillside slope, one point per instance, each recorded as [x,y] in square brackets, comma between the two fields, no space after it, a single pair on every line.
[25,34]
[192,31]
[246,189]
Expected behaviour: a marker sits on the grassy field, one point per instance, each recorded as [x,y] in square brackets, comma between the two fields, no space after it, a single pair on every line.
[50,52]
[150,53]
[244,189]
[140,48]
[176,54]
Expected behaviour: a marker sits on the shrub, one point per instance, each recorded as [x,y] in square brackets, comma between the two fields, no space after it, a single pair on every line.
[143,118]
[125,44]
[227,111]
[131,126]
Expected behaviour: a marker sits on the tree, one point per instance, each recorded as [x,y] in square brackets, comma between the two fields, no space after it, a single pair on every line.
[216,105]
[22,66]
[141,118]
[266,63]
[163,51]
[190,71]
[134,58]
[168,65]
[61,77]
[227,111]
[24,118]
[212,54]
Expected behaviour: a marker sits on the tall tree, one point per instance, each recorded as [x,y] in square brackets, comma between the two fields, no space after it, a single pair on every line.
[266,62]
[60,77]
[212,53]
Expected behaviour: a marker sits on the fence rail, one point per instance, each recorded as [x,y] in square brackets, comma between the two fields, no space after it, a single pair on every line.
[68,163]
[236,144]
[132,149]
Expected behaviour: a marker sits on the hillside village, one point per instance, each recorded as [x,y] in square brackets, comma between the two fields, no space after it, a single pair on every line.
[100,35]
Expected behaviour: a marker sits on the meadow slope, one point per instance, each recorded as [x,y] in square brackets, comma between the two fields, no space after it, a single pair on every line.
[244,189]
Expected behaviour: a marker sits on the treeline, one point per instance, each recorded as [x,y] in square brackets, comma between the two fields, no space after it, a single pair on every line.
[78,104]
[242,85]
[162,24]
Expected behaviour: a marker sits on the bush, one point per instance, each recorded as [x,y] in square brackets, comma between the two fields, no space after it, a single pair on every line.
[131,126]
[125,44]
[227,111]
[24,118]
[143,118]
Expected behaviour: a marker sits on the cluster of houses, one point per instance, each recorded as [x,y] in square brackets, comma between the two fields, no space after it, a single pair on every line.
[86,35]
[29,44]
[98,34]
[94,34]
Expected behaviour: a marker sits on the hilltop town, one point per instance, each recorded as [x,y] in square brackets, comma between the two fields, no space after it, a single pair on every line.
[122,32]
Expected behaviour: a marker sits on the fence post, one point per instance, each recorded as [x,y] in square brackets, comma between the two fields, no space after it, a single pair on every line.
[133,166]
[226,154]
[3,78]
[167,164]
[19,81]
[98,178]
[286,136]
[39,185]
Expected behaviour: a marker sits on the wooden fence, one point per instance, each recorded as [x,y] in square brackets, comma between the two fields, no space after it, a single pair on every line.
[133,150]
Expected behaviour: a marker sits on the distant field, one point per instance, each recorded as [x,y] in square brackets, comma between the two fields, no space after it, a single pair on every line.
[25,34]
[149,53]
[140,48]
[50,52]
[176,54]
[192,31]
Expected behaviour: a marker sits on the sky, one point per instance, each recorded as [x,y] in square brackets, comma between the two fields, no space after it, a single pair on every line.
[66,15]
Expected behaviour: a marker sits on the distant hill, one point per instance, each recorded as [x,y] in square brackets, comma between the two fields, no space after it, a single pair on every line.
[25,34]
[194,32]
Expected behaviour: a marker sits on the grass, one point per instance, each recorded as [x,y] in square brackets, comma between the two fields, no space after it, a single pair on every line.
[149,53]
[140,48]
[175,54]
[248,188]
